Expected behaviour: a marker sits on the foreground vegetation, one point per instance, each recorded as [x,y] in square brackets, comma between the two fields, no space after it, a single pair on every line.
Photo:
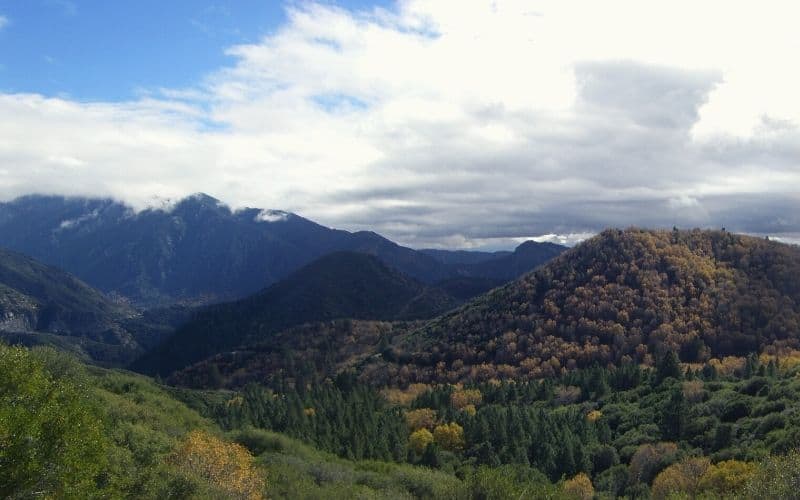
[716,430]
[725,429]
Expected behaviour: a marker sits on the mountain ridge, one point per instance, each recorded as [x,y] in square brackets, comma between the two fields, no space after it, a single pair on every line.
[340,285]
[195,250]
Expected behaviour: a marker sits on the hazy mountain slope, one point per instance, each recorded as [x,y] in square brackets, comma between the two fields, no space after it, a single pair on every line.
[462,257]
[621,295]
[44,305]
[197,250]
[523,259]
[308,352]
[339,285]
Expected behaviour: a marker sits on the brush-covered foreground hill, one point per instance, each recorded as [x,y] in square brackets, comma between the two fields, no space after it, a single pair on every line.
[339,285]
[622,295]
[40,304]
[197,250]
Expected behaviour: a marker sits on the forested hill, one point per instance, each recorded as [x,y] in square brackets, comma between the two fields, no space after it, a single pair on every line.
[621,295]
[339,285]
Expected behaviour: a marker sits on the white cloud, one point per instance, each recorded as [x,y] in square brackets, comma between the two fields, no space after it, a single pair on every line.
[464,123]
[3,21]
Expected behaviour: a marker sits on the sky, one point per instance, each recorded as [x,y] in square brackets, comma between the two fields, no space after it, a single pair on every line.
[436,123]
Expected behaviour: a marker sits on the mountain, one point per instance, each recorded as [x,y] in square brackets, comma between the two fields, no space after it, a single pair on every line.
[338,285]
[462,257]
[198,250]
[623,295]
[195,251]
[506,267]
[40,304]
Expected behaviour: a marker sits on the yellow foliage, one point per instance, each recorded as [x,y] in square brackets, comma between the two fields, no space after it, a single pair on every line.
[227,466]
[727,478]
[728,365]
[404,397]
[449,436]
[422,418]
[785,359]
[680,478]
[419,440]
[594,415]
[309,412]
[460,398]
[470,410]
[579,487]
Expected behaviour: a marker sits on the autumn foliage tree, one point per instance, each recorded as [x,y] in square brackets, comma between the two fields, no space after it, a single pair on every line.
[419,440]
[680,478]
[579,487]
[449,436]
[227,466]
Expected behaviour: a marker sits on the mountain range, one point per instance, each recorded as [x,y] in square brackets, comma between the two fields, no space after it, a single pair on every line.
[199,251]
[620,297]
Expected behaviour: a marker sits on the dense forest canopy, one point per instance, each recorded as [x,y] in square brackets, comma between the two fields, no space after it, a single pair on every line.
[622,296]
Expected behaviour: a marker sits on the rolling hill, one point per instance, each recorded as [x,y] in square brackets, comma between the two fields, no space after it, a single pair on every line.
[340,285]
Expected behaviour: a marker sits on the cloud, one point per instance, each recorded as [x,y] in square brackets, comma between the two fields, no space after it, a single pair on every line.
[469,124]
[3,22]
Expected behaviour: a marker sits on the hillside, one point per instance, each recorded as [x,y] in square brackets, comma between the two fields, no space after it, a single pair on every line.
[339,285]
[308,353]
[43,305]
[195,251]
[623,295]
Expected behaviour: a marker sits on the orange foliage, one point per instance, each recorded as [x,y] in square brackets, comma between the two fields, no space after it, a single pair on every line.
[422,418]
[460,398]
[579,487]
[227,466]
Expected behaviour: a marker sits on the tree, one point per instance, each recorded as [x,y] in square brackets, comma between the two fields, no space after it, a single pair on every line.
[649,459]
[449,436]
[419,440]
[579,487]
[727,478]
[668,366]
[680,478]
[51,437]
[673,415]
[421,418]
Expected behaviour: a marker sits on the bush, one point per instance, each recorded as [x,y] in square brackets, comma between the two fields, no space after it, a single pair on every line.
[226,466]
